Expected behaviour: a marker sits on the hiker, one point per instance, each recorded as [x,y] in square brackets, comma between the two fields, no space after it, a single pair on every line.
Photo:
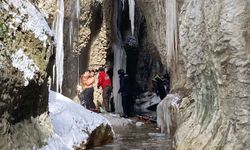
[158,85]
[125,93]
[110,73]
[166,82]
[105,82]
[86,96]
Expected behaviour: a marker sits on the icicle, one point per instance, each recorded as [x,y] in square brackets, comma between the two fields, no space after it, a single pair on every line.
[49,83]
[53,73]
[171,32]
[131,4]
[70,33]
[77,9]
[123,3]
[58,29]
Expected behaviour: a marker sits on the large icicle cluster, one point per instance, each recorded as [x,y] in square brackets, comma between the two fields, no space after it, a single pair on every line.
[132,15]
[171,32]
[58,29]
[120,57]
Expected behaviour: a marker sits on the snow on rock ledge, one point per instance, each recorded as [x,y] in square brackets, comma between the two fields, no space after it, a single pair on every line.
[35,21]
[24,64]
[74,126]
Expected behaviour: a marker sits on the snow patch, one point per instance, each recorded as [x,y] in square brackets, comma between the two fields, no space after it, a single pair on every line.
[139,124]
[71,122]
[24,64]
[35,21]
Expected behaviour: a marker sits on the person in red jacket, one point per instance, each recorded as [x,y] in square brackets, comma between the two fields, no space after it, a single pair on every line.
[105,82]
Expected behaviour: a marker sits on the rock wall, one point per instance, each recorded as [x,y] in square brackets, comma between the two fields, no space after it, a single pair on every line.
[25,53]
[214,38]
[155,16]
[25,57]
[214,59]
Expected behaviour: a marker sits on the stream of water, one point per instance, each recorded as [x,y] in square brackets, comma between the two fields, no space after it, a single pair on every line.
[145,137]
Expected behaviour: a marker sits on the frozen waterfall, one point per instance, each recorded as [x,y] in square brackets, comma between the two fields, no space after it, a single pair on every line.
[119,63]
[120,56]
[58,29]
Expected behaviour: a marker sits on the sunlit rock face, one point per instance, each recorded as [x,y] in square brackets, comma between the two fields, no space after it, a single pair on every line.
[25,40]
[90,47]
[213,53]
[25,52]
[46,8]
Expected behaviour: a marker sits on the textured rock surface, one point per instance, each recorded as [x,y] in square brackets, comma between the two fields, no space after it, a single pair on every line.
[214,38]
[26,134]
[47,8]
[25,51]
[101,135]
[214,51]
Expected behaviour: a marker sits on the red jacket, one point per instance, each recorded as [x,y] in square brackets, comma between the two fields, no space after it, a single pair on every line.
[103,80]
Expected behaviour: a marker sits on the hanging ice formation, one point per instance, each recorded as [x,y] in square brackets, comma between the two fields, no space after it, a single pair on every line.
[123,3]
[58,29]
[171,31]
[77,9]
[119,56]
[165,112]
[74,25]
[132,15]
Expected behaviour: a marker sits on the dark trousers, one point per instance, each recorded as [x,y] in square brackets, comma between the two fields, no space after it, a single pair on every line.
[86,98]
[126,105]
[106,97]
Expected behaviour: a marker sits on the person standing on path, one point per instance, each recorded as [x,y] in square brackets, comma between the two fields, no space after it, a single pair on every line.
[86,96]
[105,82]
[125,93]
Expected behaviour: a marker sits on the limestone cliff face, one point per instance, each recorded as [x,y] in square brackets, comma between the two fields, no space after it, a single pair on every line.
[214,52]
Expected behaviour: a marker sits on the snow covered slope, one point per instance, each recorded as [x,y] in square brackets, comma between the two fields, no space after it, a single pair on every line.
[71,122]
